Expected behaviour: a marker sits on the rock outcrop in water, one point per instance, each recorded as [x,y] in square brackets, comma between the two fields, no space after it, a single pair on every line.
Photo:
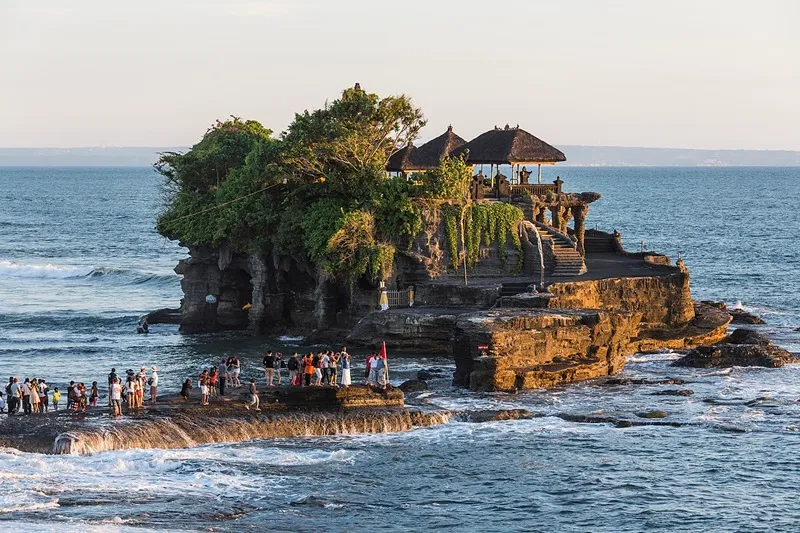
[742,348]
[506,350]
[286,412]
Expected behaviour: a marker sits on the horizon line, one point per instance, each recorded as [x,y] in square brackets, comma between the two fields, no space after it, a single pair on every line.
[165,147]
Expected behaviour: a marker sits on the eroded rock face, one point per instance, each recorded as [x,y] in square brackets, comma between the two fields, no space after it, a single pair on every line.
[429,330]
[507,350]
[742,348]
[660,299]
[224,289]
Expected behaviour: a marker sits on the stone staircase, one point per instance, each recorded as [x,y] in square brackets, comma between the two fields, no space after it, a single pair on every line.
[568,260]
[595,241]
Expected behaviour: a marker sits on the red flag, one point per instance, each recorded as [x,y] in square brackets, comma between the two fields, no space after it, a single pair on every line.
[383,350]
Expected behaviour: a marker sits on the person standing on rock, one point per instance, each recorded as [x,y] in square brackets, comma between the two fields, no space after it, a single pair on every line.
[253,396]
[222,370]
[308,369]
[44,389]
[26,396]
[154,385]
[346,379]
[202,383]
[236,368]
[34,396]
[315,362]
[279,364]
[325,367]
[269,368]
[111,377]
[114,395]
[141,382]
[332,372]
[372,369]
[94,395]
[293,364]
[130,392]
[56,398]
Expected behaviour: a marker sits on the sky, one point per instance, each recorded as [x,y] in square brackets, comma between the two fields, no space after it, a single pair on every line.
[673,73]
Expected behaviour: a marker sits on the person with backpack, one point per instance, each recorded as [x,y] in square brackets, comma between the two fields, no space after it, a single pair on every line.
[292,364]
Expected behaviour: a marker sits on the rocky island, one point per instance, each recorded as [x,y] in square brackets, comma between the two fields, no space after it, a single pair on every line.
[343,228]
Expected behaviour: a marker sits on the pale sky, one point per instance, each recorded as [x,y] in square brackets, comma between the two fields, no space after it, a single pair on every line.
[672,73]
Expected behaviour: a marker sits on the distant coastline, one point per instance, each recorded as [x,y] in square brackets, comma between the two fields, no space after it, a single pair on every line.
[583,156]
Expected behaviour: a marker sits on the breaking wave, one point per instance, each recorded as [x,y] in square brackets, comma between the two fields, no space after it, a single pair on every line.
[14,270]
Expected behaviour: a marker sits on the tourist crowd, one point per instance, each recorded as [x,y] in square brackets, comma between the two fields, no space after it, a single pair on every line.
[33,396]
[325,368]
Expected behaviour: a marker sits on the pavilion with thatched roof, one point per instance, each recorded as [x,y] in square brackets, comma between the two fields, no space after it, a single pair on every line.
[510,146]
[412,159]
[402,161]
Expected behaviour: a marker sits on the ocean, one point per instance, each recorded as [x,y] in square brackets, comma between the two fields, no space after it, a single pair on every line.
[80,262]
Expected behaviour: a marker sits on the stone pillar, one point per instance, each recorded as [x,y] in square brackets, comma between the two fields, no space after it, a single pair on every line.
[555,215]
[539,214]
[579,212]
[565,219]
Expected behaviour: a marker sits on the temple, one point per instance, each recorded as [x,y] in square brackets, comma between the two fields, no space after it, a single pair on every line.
[548,210]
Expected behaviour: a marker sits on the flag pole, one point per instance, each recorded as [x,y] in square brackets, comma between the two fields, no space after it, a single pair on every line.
[385,365]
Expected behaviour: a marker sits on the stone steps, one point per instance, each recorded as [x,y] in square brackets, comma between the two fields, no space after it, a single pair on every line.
[568,261]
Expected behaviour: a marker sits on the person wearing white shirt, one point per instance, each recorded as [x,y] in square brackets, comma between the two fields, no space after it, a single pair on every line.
[154,384]
[115,395]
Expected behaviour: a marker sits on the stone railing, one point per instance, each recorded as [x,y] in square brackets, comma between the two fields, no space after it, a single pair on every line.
[535,188]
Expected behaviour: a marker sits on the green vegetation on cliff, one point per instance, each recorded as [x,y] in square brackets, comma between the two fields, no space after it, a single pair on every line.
[319,191]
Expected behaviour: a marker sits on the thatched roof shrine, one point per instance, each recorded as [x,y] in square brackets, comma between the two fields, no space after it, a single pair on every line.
[432,152]
[403,160]
[509,146]
[410,158]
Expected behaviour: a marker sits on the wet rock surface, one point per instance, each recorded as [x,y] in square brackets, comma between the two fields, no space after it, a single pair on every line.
[674,392]
[743,347]
[631,381]
[413,385]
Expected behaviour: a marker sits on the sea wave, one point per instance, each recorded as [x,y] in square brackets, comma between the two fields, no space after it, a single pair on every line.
[14,270]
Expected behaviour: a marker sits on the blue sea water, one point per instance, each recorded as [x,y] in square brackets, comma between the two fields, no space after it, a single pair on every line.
[80,262]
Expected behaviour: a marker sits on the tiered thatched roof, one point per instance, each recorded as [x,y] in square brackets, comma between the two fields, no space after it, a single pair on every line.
[432,152]
[402,160]
[509,146]
[410,158]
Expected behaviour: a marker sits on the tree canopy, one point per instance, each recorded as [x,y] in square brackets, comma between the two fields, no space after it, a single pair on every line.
[320,189]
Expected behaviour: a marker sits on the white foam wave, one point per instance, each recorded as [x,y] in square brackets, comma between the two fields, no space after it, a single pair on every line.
[12,269]
[288,338]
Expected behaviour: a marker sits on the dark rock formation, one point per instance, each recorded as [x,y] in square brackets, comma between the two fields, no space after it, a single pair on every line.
[429,330]
[652,414]
[413,385]
[431,373]
[748,336]
[491,415]
[740,316]
[164,316]
[742,348]
[674,392]
[629,381]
